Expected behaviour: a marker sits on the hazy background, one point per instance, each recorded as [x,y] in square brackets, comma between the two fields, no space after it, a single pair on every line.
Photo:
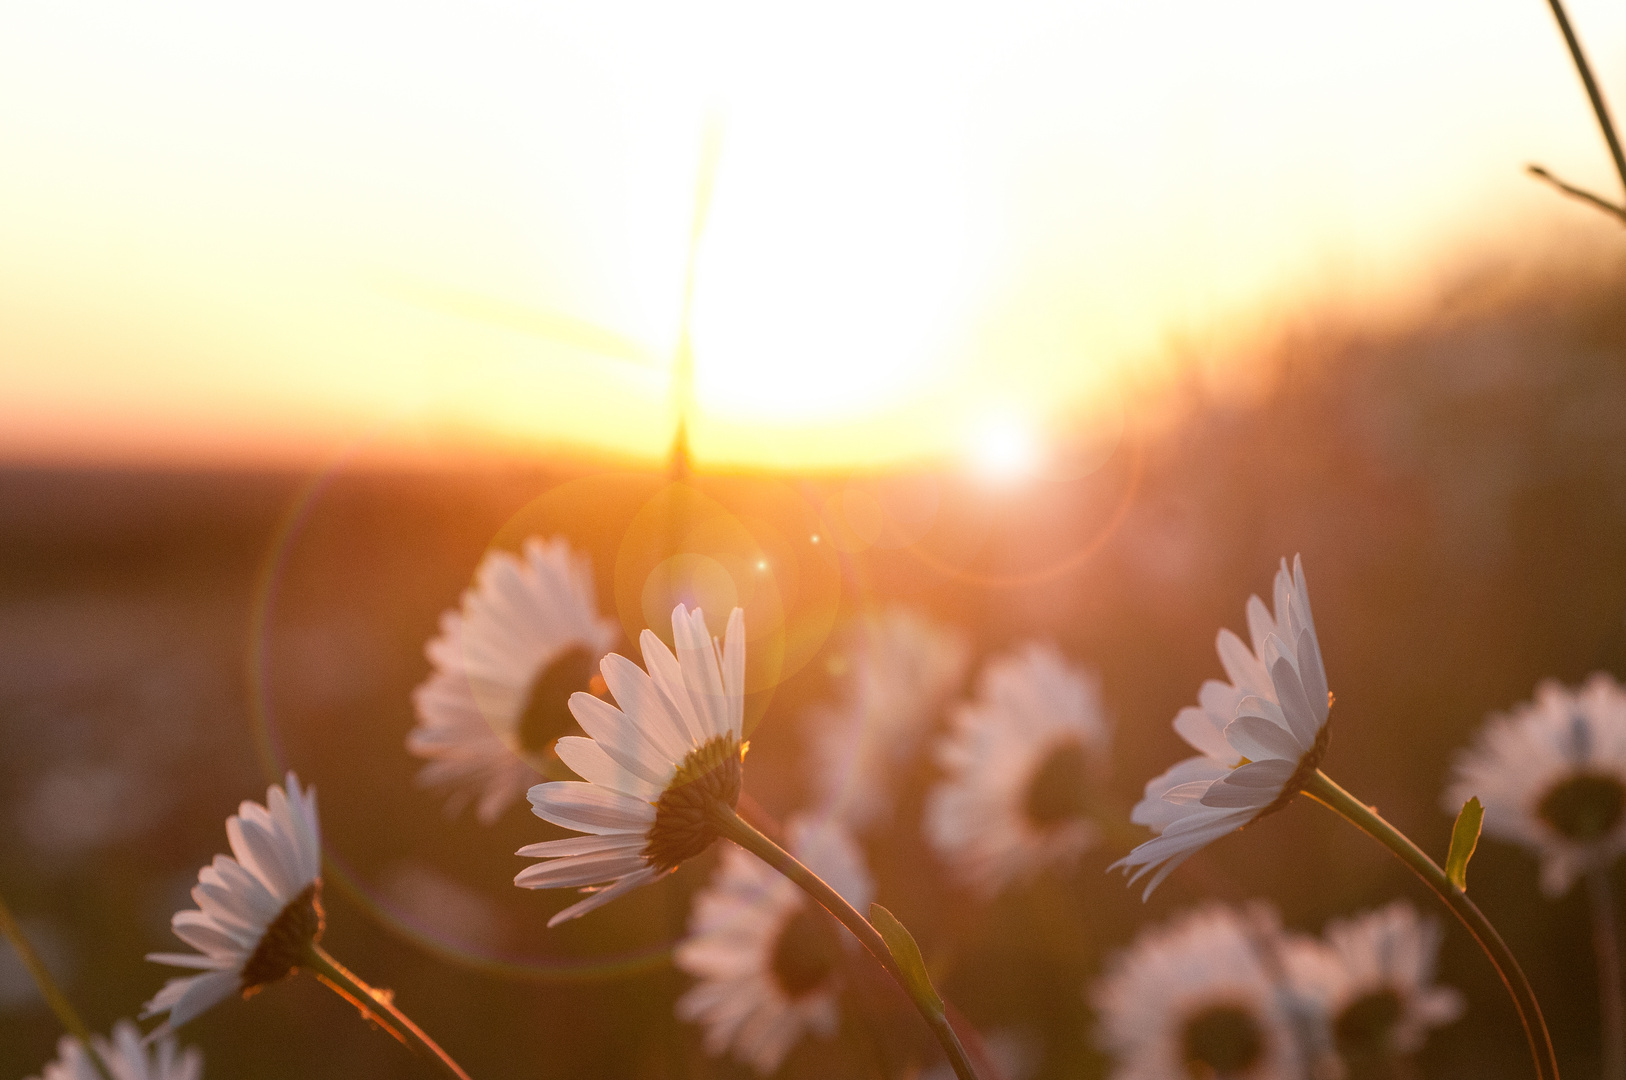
[1053,321]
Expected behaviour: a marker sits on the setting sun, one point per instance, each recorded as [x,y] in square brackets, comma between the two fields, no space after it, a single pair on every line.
[472,227]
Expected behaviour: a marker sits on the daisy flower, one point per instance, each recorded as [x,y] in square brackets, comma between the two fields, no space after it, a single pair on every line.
[528,635]
[126,1057]
[1552,776]
[257,913]
[1373,979]
[652,767]
[1023,766]
[767,958]
[1260,736]
[1202,999]
[903,669]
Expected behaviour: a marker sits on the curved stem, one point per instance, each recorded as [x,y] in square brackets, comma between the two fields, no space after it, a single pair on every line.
[1321,788]
[378,1006]
[733,827]
[1606,944]
[49,990]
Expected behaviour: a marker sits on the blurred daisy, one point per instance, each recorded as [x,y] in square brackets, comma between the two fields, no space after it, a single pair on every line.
[1552,776]
[1373,979]
[1260,736]
[653,767]
[257,913]
[1201,998]
[528,636]
[126,1058]
[1023,767]
[768,959]
[902,670]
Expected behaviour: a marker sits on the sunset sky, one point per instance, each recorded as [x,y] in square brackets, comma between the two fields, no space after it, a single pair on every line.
[275,234]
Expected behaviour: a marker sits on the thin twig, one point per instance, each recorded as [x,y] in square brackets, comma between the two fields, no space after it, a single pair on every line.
[1599,109]
[378,1006]
[1578,193]
[1606,944]
[48,988]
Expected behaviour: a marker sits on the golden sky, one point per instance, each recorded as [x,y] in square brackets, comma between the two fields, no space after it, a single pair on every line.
[280,232]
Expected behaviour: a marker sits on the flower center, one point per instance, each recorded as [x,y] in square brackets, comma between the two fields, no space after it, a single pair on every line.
[683,828]
[1584,807]
[1365,1024]
[1221,1041]
[805,953]
[283,946]
[1059,789]
[547,707]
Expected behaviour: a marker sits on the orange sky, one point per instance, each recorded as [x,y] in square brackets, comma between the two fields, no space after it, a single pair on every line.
[262,235]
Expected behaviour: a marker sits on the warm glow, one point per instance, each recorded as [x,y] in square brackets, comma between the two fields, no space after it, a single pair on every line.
[279,232]
[1005,450]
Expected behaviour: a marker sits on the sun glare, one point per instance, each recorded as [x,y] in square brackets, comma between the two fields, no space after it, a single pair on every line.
[906,197]
[1005,450]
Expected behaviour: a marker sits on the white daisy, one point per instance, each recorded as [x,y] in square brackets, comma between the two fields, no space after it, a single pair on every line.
[1551,775]
[256,913]
[528,636]
[767,958]
[1373,978]
[653,767]
[1261,735]
[126,1057]
[1024,765]
[1202,998]
[902,671]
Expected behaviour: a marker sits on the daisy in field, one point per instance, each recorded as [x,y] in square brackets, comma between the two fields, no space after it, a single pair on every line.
[655,762]
[1023,766]
[1551,776]
[902,671]
[1259,737]
[126,1057]
[259,919]
[1372,977]
[256,911]
[766,958]
[1202,998]
[528,636]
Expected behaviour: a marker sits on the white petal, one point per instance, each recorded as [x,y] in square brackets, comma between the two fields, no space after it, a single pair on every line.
[586,808]
[667,675]
[579,870]
[1259,739]
[591,763]
[604,896]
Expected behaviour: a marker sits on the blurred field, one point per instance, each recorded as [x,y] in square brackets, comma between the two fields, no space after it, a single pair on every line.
[1457,489]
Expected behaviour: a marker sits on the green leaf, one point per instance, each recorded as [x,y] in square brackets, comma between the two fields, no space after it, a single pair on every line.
[1464,838]
[902,945]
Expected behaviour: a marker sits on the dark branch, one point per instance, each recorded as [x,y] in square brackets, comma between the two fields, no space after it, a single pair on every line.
[1616,212]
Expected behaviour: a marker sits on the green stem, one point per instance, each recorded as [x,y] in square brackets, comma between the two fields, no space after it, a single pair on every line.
[731,826]
[1321,788]
[1599,109]
[378,1006]
[1606,945]
[49,990]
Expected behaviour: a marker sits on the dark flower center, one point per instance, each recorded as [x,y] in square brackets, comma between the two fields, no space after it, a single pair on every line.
[1059,789]
[1365,1025]
[1221,1041]
[683,828]
[1584,807]
[282,949]
[806,953]
[547,707]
